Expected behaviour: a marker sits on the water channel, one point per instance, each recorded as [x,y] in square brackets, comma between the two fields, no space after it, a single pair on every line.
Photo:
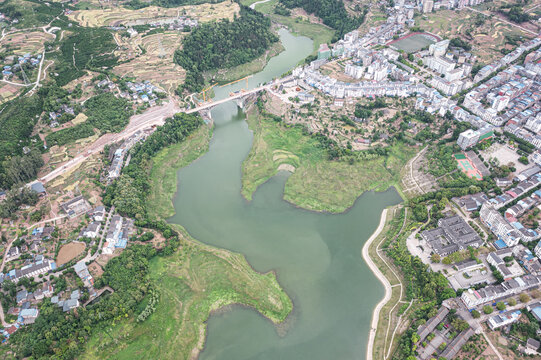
[317,257]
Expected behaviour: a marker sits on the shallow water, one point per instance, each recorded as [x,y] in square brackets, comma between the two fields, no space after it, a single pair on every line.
[317,257]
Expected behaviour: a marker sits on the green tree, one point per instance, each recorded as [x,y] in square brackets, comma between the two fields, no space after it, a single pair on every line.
[487,309]
[524,298]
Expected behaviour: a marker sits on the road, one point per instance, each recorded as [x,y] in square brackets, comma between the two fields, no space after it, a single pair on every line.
[257,3]
[151,117]
[503,20]
[39,74]
[89,257]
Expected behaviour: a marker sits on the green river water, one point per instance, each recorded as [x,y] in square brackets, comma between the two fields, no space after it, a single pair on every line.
[317,257]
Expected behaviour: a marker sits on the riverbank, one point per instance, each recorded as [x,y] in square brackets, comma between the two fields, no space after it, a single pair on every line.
[388,318]
[165,165]
[222,76]
[193,283]
[317,184]
[386,284]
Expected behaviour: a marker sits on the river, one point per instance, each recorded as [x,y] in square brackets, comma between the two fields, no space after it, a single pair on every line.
[317,257]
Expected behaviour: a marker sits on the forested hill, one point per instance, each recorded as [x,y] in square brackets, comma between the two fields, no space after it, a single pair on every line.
[224,44]
[332,12]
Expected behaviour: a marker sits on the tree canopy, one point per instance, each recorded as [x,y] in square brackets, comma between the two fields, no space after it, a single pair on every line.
[224,44]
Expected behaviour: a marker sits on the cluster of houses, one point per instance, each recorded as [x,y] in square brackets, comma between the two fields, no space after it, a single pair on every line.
[141,92]
[118,160]
[26,309]
[473,298]
[434,334]
[180,22]
[31,268]
[31,242]
[507,228]
[16,63]
[452,234]
[55,117]
[118,234]
[76,206]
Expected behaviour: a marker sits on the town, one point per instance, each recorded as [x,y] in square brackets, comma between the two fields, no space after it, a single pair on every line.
[465,242]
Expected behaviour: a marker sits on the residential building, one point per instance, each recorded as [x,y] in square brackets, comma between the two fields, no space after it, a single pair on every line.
[500,320]
[467,139]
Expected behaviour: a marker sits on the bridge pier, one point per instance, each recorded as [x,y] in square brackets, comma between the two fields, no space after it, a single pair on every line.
[240,102]
[206,115]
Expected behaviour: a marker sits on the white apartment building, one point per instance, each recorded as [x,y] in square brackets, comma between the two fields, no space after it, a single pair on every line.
[439,64]
[498,225]
[468,138]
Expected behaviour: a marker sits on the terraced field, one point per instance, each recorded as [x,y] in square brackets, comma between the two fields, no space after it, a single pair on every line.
[121,16]
[25,42]
[155,63]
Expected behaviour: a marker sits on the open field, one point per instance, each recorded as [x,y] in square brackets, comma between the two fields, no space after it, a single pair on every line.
[25,42]
[9,91]
[68,252]
[122,16]
[413,43]
[164,170]
[192,283]
[317,184]
[486,39]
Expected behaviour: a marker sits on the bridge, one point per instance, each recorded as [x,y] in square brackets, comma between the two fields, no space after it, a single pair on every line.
[238,97]
[152,117]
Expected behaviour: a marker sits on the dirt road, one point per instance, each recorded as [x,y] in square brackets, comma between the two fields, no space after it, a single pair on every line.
[151,117]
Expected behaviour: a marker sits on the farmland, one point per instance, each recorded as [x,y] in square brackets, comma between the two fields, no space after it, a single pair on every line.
[486,35]
[121,16]
[20,43]
[155,61]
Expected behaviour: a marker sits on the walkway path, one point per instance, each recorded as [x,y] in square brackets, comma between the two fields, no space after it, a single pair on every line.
[491,345]
[257,3]
[384,281]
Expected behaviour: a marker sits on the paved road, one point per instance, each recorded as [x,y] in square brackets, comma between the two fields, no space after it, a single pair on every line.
[89,257]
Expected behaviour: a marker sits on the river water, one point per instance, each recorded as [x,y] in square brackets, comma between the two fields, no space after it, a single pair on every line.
[317,257]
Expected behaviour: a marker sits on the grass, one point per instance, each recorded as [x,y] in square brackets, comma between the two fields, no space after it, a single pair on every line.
[317,184]
[393,224]
[320,34]
[164,170]
[192,284]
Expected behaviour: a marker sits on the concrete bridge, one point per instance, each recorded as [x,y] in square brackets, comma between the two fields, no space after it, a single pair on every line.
[239,97]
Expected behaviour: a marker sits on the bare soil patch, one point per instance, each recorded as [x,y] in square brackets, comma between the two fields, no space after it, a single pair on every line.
[68,252]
